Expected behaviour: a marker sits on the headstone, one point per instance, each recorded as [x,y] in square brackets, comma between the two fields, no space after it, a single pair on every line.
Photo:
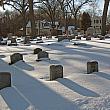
[102,38]
[5,80]
[71,37]
[37,50]
[26,40]
[78,37]
[77,43]
[88,38]
[43,55]
[107,36]
[16,57]
[75,32]
[92,67]
[84,35]
[13,40]
[59,32]
[90,31]
[60,38]
[56,71]
[95,36]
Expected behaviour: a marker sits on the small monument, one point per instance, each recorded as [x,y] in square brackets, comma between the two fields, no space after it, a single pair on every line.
[78,37]
[5,80]
[92,67]
[90,31]
[13,40]
[37,50]
[88,38]
[42,55]
[27,40]
[16,57]
[56,71]
[102,38]
[71,37]
[60,38]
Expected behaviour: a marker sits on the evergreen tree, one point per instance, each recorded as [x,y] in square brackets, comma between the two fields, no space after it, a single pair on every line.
[85,21]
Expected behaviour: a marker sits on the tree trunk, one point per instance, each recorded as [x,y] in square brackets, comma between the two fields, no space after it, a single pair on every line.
[104,17]
[75,21]
[32,20]
[24,23]
[66,25]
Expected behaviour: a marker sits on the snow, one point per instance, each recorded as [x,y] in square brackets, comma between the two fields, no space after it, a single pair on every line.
[101,103]
[3,105]
[32,90]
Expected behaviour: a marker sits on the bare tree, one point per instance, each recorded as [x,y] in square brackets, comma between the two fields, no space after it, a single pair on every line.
[21,6]
[50,8]
[94,9]
[65,14]
[104,17]
[75,6]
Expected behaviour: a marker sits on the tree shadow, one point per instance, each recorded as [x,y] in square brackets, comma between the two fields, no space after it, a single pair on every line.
[81,51]
[77,88]
[26,53]
[103,75]
[40,95]
[83,45]
[14,99]
[101,42]
[53,62]
[24,65]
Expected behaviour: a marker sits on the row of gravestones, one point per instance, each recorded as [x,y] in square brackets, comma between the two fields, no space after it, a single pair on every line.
[89,37]
[26,41]
[56,71]
[60,38]
[40,54]
[101,38]
[14,42]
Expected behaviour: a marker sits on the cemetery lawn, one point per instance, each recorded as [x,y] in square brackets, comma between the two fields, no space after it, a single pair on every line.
[32,90]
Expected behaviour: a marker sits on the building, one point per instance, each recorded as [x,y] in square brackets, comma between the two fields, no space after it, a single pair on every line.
[42,27]
[71,29]
[28,28]
[96,24]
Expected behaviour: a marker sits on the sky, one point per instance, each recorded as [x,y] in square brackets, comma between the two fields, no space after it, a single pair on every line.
[101,3]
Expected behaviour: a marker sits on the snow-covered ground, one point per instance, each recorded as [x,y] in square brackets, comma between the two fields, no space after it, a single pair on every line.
[31,89]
